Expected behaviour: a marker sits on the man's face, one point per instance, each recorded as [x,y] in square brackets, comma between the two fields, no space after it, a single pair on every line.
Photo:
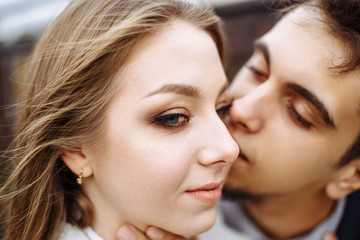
[293,117]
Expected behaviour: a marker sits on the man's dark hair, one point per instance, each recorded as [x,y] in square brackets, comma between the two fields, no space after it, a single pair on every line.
[343,19]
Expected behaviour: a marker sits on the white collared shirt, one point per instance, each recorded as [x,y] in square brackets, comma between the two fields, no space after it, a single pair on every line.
[71,232]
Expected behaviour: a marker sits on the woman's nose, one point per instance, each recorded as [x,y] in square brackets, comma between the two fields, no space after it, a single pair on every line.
[219,148]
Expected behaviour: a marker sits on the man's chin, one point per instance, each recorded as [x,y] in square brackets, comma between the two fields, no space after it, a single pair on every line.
[240,194]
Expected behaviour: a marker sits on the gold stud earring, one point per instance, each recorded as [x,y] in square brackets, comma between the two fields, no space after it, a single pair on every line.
[80,180]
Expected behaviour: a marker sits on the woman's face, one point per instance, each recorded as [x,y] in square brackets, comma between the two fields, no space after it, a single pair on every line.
[166,151]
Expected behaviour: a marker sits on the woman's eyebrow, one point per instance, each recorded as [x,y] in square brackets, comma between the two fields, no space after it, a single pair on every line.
[182,89]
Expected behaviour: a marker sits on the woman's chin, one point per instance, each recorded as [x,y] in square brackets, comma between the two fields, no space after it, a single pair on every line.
[196,225]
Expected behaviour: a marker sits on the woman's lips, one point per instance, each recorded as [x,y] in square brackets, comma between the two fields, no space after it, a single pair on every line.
[208,193]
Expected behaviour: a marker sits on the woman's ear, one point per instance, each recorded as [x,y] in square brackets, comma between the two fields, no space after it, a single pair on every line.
[77,162]
[346,182]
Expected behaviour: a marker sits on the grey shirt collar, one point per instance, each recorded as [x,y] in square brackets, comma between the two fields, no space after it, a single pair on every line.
[236,217]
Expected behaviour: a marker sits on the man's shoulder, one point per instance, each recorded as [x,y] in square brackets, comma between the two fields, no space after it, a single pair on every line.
[349,227]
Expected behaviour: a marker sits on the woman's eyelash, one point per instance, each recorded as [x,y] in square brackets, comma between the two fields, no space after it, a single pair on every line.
[224,110]
[175,120]
[172,120]
[298,118]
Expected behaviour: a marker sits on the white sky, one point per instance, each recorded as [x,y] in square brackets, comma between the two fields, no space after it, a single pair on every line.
[18,17]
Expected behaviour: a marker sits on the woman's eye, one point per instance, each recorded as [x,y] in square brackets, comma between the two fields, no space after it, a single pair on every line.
[172,120]
[223,110]
[298,118]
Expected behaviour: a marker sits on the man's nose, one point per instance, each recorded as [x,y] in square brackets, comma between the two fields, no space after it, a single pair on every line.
[251,112]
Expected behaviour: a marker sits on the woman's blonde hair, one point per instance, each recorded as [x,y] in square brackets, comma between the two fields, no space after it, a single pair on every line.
[68,83]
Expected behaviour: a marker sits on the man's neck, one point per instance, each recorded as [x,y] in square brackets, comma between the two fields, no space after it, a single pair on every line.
[289,216]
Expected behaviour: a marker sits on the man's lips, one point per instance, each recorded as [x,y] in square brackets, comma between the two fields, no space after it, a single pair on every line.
[208,193]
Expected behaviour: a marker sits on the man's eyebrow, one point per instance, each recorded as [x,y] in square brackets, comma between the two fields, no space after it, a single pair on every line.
[309,96]
[182,89]
[260,45]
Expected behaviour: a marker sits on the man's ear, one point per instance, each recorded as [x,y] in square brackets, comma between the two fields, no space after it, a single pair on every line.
[346,181]
[77,161]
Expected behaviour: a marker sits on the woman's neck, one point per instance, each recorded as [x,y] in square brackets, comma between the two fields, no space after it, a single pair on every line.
[106,221]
